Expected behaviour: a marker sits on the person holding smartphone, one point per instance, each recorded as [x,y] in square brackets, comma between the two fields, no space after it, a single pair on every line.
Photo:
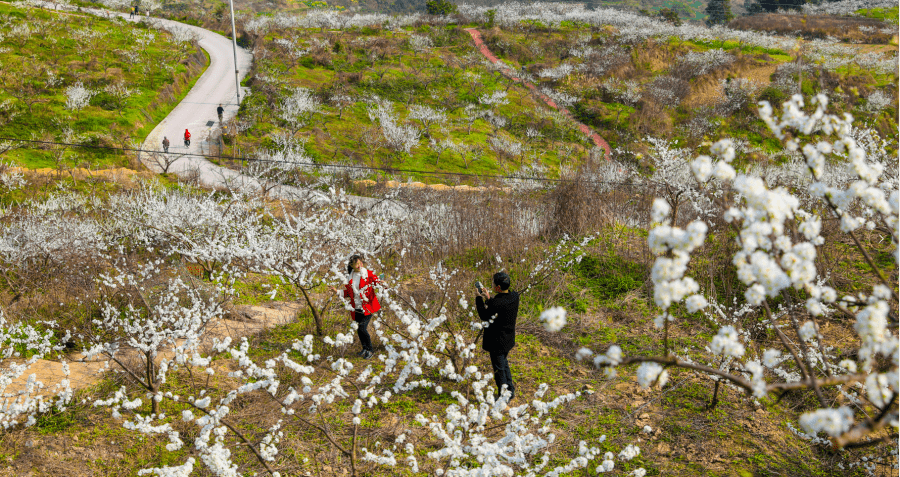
[499,312]
[360,291]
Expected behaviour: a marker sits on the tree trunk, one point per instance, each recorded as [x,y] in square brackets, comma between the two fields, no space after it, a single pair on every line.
[315,312]
[151,385]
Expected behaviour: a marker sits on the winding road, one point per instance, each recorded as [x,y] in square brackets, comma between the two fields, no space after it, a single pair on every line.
[197,111]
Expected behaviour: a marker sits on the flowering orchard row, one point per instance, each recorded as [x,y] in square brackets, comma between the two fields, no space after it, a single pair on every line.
[118,257]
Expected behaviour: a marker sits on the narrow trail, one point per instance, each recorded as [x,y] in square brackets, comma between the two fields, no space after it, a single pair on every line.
[241,321]
[509,73]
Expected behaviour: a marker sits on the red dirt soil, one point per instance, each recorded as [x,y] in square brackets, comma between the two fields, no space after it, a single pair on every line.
[598,141]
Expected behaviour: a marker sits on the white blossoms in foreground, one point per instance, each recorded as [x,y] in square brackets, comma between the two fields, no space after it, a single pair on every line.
[630,452]
[648,373]
[695,303]
[833,422]
[808,331]
[583,354]
[554,318]
[727,343]
[771,358]
[660,211]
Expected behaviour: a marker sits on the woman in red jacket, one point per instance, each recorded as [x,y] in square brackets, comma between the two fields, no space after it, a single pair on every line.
[360,291]
[187,138]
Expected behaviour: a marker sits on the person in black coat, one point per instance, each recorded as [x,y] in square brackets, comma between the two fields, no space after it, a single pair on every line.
[500,312]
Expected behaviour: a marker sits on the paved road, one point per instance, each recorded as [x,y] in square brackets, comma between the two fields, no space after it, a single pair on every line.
[197,111]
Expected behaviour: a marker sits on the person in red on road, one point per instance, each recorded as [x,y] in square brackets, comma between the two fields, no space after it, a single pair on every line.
[187,138]
[360,291]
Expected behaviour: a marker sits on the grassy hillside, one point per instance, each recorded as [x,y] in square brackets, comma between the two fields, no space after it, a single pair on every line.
[132,76]
[351,72]
[684,86]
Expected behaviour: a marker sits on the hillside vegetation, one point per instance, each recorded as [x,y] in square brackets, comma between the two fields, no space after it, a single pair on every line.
[718,297]
[82,80]
[414,93]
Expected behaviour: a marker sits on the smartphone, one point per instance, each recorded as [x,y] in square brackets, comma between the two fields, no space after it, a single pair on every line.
[478,286]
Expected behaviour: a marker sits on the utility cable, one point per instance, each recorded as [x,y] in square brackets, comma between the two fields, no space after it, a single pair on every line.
[388,170]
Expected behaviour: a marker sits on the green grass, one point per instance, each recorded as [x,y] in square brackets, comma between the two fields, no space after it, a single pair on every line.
[336,135]
[447,77]
[734,47]
[886,14]
[609,277]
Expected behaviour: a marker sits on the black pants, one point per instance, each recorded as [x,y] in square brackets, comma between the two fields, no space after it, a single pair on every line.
[362,331]
[502,373]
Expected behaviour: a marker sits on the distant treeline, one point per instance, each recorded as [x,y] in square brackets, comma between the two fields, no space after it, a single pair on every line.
[750,7]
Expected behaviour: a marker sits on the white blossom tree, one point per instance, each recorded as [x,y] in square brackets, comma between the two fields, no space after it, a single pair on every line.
[776,260]
[298,108]
[77,96]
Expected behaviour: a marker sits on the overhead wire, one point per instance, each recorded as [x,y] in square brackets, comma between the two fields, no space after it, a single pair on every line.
[388,170]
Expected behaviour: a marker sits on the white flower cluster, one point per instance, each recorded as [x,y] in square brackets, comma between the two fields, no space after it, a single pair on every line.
[399,137]
[878,100]
[673,246]
[493,99]
[297,108]
[833,422]
[426,115]
[845,7]
[777,239]
[627,91]
[77,96]
[554,318]
[699,63]
[420,43]
[21,346]
[557,73]
[649,373]
[727,343]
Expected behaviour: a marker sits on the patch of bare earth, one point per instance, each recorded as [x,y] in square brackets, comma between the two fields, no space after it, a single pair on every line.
[241,321]
[708,93]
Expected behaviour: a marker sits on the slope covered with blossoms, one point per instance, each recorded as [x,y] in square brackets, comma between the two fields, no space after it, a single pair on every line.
[715,304]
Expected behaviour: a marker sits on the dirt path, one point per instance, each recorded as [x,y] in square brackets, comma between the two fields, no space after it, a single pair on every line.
[244,320]
[598,141]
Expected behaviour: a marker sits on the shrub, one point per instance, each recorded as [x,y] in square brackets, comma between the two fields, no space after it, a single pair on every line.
[610,277]
[440,7]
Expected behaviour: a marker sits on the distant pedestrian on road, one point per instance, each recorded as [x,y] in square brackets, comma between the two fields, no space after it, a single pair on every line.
[187,138]
[165,145]
[133,8]
[221,111]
